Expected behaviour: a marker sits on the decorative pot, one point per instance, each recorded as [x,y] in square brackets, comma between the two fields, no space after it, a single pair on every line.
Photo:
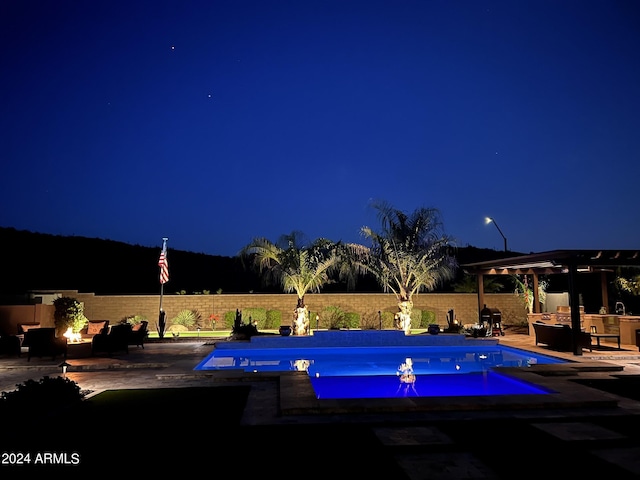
[285,330]
[433,329]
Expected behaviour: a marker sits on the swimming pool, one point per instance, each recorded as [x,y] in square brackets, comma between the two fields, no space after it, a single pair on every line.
[391,371]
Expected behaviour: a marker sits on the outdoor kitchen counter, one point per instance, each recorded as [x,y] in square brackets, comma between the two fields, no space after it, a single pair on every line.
[628,325]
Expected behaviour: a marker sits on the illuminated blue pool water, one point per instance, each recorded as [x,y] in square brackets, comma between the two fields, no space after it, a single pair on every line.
[388,372]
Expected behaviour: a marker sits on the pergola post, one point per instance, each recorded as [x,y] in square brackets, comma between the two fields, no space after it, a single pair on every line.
[480,279]
[536,294]
[574,305]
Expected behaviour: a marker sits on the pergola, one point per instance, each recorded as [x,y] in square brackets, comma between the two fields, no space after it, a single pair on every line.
[570,262]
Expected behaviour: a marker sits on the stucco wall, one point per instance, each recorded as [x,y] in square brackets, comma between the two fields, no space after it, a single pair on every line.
[12,315]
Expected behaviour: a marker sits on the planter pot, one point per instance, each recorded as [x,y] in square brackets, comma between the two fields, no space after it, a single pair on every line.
[433,329]
[285,331]
[479,332]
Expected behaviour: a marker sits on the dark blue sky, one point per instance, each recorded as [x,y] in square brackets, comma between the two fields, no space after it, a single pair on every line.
[213,122]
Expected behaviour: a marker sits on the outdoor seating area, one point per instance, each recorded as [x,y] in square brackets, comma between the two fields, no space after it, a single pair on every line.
[559,337]
[118,338]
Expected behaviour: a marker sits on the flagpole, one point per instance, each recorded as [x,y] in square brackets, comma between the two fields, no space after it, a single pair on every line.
[161,315]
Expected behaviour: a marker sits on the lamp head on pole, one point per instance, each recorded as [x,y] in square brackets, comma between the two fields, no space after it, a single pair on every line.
[488,220]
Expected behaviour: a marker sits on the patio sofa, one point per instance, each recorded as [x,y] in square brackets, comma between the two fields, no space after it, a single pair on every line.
[25,327]
[559,337]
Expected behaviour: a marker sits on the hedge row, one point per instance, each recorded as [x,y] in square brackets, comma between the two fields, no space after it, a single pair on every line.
[328,318]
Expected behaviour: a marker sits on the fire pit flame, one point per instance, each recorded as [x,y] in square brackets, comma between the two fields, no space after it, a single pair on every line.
[72,337]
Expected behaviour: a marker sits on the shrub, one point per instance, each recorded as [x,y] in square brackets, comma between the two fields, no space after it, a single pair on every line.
[352,320]
[134,319]
[331,317]
[416,318]
[388,320]
[370,321]
[336,317]
[47,393]
[229,319]
[273,319]
[177,329]
[68,312]
[187,318]
[428,318]
[257,315]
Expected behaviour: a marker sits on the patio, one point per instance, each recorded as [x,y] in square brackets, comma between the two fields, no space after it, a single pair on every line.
[400,444]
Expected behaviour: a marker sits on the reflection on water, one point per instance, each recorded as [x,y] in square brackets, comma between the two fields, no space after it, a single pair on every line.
[390,372]
[406,363]
[301,365]
[407,378]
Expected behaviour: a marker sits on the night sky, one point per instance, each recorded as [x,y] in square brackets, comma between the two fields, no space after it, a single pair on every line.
[214,122]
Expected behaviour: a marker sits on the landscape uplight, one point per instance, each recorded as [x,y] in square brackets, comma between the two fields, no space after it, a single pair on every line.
[491,220]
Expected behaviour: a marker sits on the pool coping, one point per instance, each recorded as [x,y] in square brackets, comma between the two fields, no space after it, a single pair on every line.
[296,396]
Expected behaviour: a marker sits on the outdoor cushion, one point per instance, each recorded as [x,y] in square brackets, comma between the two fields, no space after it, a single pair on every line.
[95,327]
[24,327]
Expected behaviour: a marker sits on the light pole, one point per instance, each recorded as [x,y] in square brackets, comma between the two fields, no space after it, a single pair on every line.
[491,220]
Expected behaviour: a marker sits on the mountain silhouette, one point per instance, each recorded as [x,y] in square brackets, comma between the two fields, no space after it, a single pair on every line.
[41,262]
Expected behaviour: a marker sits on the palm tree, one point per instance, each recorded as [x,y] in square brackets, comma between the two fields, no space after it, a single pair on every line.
[297,266]
[411,254]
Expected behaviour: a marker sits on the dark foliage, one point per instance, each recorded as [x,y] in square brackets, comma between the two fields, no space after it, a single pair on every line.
[244,331]
[43,262]
[52,392]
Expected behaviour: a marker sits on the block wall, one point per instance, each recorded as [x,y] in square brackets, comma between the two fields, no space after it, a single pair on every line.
[116,307]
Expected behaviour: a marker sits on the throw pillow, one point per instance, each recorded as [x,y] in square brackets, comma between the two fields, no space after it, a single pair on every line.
[95,327]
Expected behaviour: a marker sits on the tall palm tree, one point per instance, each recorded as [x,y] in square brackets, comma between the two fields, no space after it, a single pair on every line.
[409,255]
[297,266]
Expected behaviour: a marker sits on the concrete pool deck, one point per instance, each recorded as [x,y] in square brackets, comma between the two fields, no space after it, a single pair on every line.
[173,363]
[434,439]
[297,396]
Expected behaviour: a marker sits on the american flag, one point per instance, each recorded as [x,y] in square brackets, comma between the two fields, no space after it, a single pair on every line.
[164,266]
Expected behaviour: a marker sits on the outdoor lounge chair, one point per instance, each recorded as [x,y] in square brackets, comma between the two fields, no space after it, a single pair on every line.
[139,332]
[42,342]
[116,340]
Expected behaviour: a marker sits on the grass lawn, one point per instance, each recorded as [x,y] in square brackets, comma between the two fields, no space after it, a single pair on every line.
[160,404]
[227,333]
[195,334]
[119,432]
